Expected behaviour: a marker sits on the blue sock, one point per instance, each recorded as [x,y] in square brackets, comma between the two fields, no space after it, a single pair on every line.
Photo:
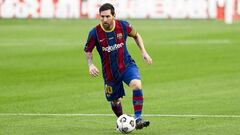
[137,102]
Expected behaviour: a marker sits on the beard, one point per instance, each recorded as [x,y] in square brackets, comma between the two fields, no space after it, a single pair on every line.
[106,26]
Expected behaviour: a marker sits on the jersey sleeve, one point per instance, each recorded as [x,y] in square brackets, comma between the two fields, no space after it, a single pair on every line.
[91,41]
[130,31]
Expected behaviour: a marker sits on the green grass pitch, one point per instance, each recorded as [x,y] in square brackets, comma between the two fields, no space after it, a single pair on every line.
[195,71]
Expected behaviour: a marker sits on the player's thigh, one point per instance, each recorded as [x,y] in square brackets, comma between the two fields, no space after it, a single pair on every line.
[132,77]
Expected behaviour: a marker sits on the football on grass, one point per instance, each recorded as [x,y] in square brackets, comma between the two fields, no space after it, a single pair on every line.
[126,123]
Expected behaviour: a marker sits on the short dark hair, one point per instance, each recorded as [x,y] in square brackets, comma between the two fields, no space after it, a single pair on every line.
[107,6]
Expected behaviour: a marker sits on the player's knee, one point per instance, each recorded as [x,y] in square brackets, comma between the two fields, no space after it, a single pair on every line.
[116,102]
[135,84]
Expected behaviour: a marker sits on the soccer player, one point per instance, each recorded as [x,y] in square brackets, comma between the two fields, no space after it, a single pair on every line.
[109,38]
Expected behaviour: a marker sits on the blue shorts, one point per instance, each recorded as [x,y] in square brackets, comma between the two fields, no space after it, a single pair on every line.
[115,90]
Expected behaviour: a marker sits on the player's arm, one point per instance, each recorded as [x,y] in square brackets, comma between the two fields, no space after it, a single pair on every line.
[139,41]
[93,71]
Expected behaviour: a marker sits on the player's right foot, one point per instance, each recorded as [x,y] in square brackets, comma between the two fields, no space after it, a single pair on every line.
[140,123]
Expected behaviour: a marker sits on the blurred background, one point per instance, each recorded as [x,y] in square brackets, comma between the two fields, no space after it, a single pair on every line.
[227,10]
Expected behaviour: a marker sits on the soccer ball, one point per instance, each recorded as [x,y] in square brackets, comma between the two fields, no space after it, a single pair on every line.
[126,123]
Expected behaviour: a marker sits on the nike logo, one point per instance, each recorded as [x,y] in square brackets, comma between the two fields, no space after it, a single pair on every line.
[101,40]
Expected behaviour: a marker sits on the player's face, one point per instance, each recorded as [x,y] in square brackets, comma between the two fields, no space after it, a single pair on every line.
[107,19]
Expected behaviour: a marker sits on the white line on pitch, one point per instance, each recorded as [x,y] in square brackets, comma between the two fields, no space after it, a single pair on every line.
[146,115]
[192,115]
[51,114]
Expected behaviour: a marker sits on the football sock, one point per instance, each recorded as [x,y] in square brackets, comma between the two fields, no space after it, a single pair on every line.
[117,109]
[137,103]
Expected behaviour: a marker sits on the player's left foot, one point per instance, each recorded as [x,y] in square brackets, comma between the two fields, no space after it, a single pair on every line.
[140,123]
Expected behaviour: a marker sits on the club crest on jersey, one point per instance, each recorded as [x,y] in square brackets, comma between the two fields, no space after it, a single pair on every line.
[119,35]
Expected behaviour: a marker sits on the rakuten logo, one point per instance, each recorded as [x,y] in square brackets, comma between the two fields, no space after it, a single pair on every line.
[112,48]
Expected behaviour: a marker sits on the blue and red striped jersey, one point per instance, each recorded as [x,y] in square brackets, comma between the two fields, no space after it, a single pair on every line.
[112,49]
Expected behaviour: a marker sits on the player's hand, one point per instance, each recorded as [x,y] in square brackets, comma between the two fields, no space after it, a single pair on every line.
[93,71]
[147,58]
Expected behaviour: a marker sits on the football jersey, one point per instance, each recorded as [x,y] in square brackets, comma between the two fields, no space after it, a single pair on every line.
[112,49]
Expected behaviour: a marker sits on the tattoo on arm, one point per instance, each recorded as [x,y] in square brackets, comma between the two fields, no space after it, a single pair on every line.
[89,58]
